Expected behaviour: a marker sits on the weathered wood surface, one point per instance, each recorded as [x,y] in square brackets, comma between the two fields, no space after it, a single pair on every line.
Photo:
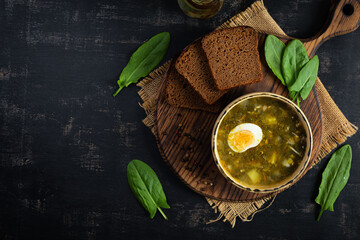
[65,141]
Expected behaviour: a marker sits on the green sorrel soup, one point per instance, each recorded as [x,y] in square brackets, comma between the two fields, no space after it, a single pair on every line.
[261,141]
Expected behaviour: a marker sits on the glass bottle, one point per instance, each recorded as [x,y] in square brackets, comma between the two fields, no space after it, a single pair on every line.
[200,8]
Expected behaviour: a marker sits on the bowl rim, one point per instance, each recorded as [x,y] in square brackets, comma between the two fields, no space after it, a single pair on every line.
[304,162]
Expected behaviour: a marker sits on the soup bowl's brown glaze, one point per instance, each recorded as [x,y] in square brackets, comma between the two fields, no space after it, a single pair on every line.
[289,180]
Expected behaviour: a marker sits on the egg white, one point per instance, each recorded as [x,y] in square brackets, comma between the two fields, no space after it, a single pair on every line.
[255,130]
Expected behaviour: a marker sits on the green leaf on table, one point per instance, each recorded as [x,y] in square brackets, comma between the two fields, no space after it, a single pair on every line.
[144,60]
[334,178]
[274,49]
[309,84]
[146,187]
[306,78]
[292,66]
[294,59]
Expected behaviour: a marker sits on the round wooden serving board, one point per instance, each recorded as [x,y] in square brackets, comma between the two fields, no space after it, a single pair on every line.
[184,135]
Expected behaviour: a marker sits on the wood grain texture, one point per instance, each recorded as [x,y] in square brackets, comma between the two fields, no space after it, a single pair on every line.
[344,18]
[184,135]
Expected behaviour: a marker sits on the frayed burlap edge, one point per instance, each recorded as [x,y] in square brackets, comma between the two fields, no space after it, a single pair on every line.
[148,94]
[241,18]
[257,17]
[231,210]
[343,132]
[332,135]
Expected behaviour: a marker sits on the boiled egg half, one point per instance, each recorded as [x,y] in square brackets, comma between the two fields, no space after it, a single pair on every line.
[244,136]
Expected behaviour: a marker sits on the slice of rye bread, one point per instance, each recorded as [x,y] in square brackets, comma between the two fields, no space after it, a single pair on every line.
[179,93]
[233,56]
[193,66]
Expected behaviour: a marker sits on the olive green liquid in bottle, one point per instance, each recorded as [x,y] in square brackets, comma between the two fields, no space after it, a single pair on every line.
[200,8]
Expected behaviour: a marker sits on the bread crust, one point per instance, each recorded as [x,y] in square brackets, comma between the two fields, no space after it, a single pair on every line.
[213,56]
[179,93]
[193,66]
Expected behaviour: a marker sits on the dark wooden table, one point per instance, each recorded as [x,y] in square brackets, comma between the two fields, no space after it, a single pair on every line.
[65,141]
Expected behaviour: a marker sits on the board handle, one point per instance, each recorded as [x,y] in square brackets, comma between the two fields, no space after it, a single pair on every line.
[344,18]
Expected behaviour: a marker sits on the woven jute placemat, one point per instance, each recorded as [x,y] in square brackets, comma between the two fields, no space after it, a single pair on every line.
[336,128]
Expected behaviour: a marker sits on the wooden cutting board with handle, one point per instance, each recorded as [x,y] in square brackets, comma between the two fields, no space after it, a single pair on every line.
[184,136]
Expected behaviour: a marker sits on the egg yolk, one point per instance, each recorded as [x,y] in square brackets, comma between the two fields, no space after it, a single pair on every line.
[240,140]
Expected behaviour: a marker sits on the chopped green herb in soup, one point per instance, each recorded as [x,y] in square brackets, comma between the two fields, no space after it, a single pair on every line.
[261,141]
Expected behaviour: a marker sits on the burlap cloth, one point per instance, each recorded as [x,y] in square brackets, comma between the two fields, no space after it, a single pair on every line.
[336,128]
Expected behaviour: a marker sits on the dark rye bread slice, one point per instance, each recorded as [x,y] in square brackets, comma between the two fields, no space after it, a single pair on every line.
[233,56]
[193,66]
[180,94]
